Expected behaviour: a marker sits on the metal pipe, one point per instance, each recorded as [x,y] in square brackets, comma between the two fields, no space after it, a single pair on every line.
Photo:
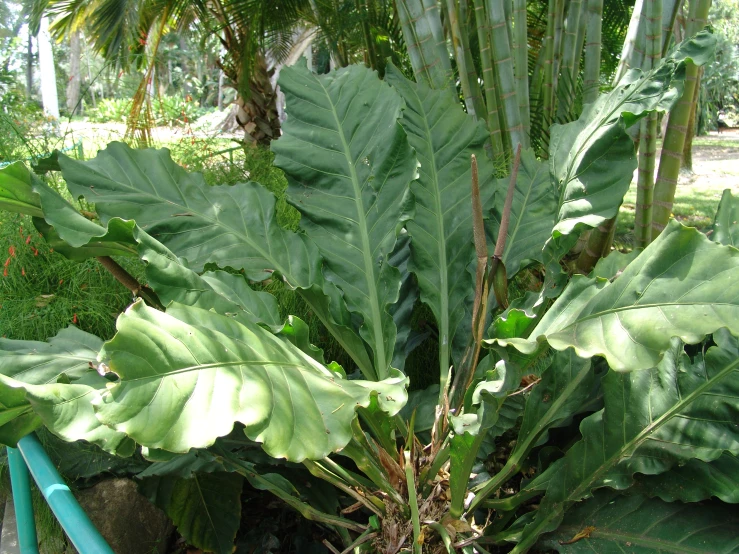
[21,485]
[78,527]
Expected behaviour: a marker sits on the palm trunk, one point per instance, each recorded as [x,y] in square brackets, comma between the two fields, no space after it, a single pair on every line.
[75,78]
[674,141]
[504,67]
[257,114]
[648,142]
[488,77]
[591,79]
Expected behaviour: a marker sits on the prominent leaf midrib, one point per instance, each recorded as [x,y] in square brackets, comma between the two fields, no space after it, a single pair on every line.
[212,365]
[512,235]
[610,311]
[638,540]
[442,263]
[634,443]
[601,123]
[216,535]
[369,267]
[214,222]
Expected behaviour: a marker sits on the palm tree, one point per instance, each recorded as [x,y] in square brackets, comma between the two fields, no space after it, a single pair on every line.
[255,35]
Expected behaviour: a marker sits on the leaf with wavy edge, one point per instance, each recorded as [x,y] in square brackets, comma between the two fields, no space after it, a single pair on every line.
[533,214]
[565,384]
[442,248]
[726,223]
[186,376]
[222,292]
[16,191]
[348,166]
[652,420]
[682,285]
[694,481]
[227,225]
[592,159]
[616,524]
[52,383]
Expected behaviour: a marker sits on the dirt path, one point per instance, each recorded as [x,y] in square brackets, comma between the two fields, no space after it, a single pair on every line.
[715,163]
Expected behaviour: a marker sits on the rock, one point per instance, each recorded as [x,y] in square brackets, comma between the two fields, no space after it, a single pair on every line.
[126,519]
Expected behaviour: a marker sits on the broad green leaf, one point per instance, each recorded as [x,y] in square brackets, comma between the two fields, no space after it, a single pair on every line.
[406,339]
[54,383]
[80,460]
[533,214]
[444,138]
[592,159]
[652,420]
[222,292]
[348,165]
[488,402]
[694,481]
[186,376]
[566,383]
[726,224]
[613,265]
[16,191]
[206,508]
[231,226]
[519,318]
[81,234]
[682,285]
[611,523]
[228,225]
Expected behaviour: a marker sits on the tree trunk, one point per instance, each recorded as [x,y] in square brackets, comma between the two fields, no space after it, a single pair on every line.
[75,79]
[29,67]
[48,72]
[257,115]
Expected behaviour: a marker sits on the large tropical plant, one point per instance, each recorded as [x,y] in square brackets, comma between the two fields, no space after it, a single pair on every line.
[601,394]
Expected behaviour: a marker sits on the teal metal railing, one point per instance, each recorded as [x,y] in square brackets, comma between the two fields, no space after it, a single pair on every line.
[31,456]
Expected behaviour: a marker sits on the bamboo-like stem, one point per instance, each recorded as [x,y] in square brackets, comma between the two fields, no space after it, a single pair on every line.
[568,71]
[633,45]
[472,78]
[460,44]
[547,89]
[488,76]
[559,27]
[687,161]
[591,78]
[424,38]
[581,28]
[648,142]
[674,140]
[521,67]
[599,243]
[597,246]
[504,68]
